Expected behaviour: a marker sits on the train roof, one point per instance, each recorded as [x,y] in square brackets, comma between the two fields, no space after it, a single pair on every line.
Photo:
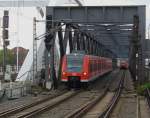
[81,54]
[78,52]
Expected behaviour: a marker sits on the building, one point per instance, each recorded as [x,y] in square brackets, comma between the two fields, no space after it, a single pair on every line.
[22,52]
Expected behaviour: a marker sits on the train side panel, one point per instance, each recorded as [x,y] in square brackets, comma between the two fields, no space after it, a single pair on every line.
[92,67]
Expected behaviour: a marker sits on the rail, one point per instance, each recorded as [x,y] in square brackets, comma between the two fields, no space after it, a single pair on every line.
[85,108]
[41,107]
[82,110]
[26,106]
[114,100]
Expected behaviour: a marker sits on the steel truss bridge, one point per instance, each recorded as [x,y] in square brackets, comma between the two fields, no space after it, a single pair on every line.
[111,31]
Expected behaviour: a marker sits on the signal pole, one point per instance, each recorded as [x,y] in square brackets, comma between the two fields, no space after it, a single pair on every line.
[4,60]
[5,39]
[34,50]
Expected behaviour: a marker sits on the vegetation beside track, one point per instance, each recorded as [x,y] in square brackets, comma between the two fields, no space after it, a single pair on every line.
[141,88]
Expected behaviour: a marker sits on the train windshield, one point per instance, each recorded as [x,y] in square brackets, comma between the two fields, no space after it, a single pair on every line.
[74,63]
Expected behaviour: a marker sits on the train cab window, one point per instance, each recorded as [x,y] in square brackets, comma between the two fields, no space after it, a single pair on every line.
[74,63]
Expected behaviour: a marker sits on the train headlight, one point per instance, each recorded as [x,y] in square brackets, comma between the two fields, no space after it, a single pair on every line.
[84,73]
[64,73]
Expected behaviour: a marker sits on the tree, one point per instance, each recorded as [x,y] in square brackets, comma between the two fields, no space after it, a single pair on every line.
[10,57]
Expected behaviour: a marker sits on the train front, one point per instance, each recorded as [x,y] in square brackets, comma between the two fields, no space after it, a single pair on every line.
[73,70]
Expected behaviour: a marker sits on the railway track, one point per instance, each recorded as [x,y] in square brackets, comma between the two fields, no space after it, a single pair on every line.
[87,110]
[98,90]
[50,103]
[108,98]
[95,104]
[114,100]
[19,111]
[57,102]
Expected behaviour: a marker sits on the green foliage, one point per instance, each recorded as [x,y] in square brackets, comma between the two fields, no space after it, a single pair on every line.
[142,88]
[10,57]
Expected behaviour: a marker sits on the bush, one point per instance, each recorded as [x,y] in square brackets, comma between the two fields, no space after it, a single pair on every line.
[142,88]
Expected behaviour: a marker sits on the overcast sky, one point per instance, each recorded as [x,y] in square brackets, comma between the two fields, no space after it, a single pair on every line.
[21,18]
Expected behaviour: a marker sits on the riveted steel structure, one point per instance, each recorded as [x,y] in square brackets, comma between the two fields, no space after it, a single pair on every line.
[99,30]
[111,25]
[147,49]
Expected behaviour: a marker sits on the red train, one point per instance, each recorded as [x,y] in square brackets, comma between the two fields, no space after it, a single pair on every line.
[80,68]
[124,65]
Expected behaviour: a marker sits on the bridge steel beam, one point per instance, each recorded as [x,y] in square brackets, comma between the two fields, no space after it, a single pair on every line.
[136,60]
[70,41]
[74,17]
[98,16]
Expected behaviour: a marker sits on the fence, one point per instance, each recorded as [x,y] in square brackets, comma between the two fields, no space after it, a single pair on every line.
[13,69]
